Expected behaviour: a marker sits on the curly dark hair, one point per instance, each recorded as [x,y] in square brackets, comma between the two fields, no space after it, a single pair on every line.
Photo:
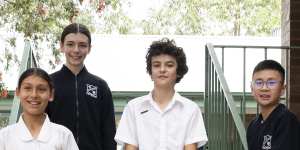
[168,47]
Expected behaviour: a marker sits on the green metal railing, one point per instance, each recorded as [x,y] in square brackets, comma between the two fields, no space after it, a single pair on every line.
[246,49]
[225,120]
[225,127]
[28,61]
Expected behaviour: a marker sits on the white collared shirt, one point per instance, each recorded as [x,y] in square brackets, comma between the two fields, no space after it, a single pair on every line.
[51,137]
[144,125]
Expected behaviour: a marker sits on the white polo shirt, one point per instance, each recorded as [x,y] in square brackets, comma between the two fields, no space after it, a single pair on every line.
[51,137]
[144,125]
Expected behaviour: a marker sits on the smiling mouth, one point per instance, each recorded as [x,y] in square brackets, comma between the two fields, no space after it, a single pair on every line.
[264,96]
[34,103]
[76,57]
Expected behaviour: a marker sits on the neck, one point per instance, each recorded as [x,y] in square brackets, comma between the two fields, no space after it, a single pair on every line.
[34,123]
[162,96]
[75,69]
[266,111]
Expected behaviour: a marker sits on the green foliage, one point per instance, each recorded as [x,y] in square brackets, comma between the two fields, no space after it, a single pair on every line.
[215,17]
[113,20]
[176,17]
[41,21]
[246,17]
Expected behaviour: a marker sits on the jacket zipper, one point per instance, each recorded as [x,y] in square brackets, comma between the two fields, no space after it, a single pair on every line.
[77,111]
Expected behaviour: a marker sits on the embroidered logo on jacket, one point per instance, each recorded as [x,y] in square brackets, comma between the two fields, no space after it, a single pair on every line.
[267,142]
[91,90]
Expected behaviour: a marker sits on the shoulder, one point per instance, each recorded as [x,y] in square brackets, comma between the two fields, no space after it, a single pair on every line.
[138,101]
[60,129]
[95,79]
[55,74]
[8,130]
[137,104]
[187,103]
[288,117]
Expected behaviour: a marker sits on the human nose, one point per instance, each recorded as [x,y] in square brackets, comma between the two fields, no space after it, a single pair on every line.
[34,93]
[162,68]
[76,48]
[265,85]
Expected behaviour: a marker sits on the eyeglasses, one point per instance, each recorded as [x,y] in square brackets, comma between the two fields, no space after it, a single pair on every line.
[271,84]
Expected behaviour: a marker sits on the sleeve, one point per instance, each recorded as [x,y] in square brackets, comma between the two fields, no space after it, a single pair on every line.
[70,143]
[287,134]
[2,142]
[126,132]
[196,132]
[108,127]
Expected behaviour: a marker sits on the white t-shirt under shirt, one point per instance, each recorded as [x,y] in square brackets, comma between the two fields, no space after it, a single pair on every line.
[51,137]
[144,125]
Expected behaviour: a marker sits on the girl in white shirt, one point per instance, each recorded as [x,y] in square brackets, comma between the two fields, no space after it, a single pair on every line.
[34,131]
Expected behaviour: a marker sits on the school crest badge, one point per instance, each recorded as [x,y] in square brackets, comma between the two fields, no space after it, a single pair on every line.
[91,90]
[267,142]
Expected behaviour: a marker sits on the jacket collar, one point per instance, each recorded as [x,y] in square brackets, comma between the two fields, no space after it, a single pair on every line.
[66,69]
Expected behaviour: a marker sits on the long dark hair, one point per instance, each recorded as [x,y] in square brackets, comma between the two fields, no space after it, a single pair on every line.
[36,72]
[75,28]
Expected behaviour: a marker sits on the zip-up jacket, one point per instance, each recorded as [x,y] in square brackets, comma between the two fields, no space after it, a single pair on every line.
[83,103]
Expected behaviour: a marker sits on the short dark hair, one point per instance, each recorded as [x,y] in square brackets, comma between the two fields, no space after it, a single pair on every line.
[168,47]
[36,72]
[75,28]
[270,65]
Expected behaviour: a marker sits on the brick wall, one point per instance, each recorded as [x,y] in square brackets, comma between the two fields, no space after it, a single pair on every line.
[290,34]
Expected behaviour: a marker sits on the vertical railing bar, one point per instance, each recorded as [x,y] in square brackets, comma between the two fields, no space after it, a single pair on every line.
[218,109]
[223,59]
[213,108]
[244,86]
[287,65]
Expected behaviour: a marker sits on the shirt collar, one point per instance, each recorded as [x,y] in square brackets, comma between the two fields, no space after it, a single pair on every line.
[25,135]
[278,111]
[177,99]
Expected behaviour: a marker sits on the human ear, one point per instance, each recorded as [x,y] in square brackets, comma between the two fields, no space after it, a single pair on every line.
[252,90]
[90,47]
[62,47]
[283,89]
[17,92]
[51,98]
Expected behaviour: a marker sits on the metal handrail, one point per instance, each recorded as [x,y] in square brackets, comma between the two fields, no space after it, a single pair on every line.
[219,108]
[28,61]
[217,91]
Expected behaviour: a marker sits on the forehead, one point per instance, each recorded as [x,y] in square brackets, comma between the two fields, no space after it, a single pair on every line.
[267,74]
[76,37]
[34,79]
[163,58]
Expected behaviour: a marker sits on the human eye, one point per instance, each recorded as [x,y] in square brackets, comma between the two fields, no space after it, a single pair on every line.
[170,64]
[272,82]
[155,65]
[83,45]
[42,88]
[26,87]
[70,44]
[258,83]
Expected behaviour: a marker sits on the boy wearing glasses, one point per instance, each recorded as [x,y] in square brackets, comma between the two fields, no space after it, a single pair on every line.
[275,128]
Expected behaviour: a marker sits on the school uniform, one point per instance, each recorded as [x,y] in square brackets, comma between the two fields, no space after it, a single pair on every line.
[83,103]
[280,131]
[146,126]
[51,137]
